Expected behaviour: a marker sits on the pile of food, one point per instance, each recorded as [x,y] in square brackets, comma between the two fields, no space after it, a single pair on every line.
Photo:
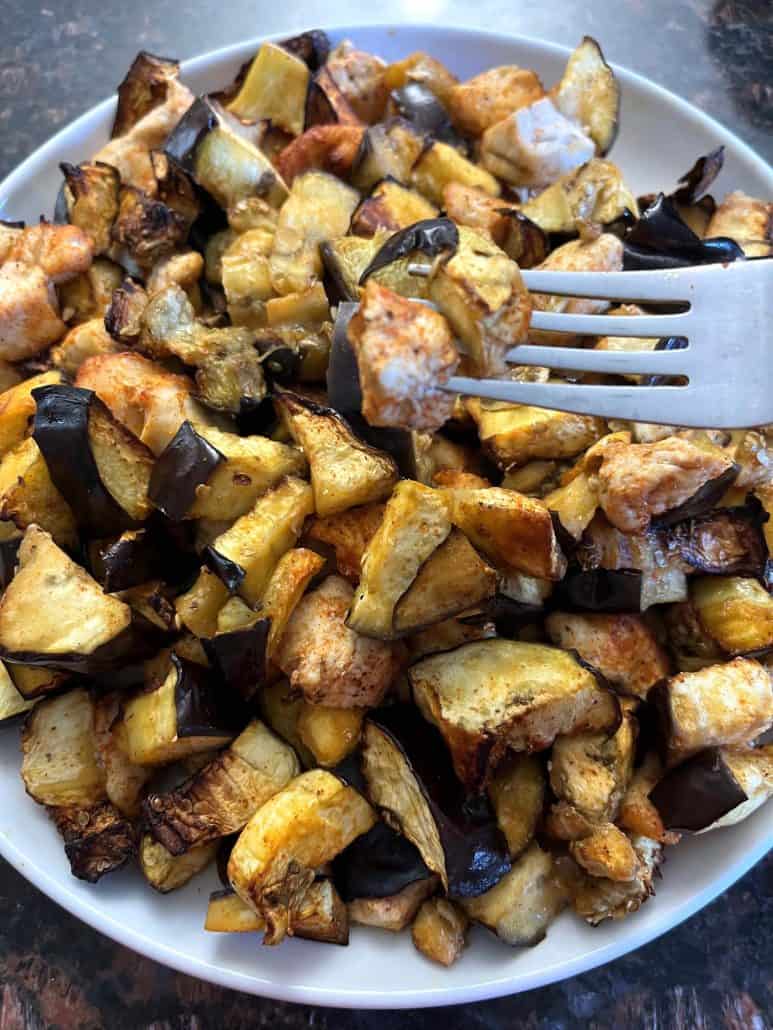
[273,598]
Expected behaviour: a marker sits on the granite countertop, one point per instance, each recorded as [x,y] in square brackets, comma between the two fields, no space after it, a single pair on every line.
[713,971]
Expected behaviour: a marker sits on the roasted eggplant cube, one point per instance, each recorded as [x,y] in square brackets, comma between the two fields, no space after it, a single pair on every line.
[520,908]
[517,794]
[54,614]
[514,532]
[245,555]
[410,776]
[594,193]
[345,472]
[379,864]
[319,208]
[275,89]
[491,695]
[404,353]
[320,915]
[735,612]
[239,654]
[388,152]
[28,495]
[91,193]
[440,164]
[330,733]
[59,759]
[726,705]
[717,787]
[182,716]
[390,206]
[360,78]
[623,648]
[97,839]
[395,912]
[589,94]
[222,797]
[166,872]
[439,931]
[301,828]
[416,521]
[17,406]
[514,434]
[330,663]
[12,701]
[592,771]
[98,465]
[144,87]
[480,291]
[452,580]
[124,781]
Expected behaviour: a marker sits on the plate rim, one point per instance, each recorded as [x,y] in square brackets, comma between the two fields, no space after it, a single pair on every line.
[95,915]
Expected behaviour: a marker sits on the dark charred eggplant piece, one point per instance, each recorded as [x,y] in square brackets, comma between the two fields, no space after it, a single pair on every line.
[667,343]
[311,47]
[660,239]
[335,285]
[724,543]
[175,188]
[159,550]
[199,120]
[693,184]
[431,236]
[601,590]
[61,430]
[406,764]
[97,840]
[147,228]
[144,88]
[187,462]
[9,550]
[230,572]
[122,320]
[239,657]
[418,105]
[697,793]
[326,104]
[12,701]
[701,502]
[378,864]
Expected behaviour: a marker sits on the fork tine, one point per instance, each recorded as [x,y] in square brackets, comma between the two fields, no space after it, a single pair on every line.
[632,403]
[611,325]
[577,359]
[676,285]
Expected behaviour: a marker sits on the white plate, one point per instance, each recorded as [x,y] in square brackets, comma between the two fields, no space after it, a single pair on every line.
[660,138]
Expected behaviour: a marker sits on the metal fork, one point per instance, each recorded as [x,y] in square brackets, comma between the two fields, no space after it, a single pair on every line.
[728,360]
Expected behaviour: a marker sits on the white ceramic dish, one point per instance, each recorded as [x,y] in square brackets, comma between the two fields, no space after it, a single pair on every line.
[660,138]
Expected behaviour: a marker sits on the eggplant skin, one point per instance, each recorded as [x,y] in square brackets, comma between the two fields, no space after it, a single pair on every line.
[239,657]
[311,47]
[143,88]
[187,462]
[473,853]
[201,708]
[431,236]
[61,431]
[697,793]
[97,840]
[378,864]
[660,239]
[728,542]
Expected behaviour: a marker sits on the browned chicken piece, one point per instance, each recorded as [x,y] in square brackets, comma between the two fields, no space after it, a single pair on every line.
[348,533]
[637,813]
[487,98]
[404,352]
[329,147]
[61,251]
[606,852]
[746,220]
[29,312]
[83,341]
[622,647]
[604,254]
[130,153]
[467,205]
[150,401]
[327,661]
[640,481]
[182,270]
[360,78]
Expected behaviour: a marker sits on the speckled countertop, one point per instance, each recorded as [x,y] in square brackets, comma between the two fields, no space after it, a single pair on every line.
[712,972]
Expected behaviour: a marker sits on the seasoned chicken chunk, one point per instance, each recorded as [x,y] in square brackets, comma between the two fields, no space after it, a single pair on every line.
[60,251]
[150,401]
[360,78]
[404,352]
[327,661]
[597,898]
[182,270]
[640,481]
[747,221]
[606,852]
[487,98]
[622,647]
[332,148]
[535,145]
[29,312]
[130,153]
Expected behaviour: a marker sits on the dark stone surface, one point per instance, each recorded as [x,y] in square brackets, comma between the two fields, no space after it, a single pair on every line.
[712,972]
